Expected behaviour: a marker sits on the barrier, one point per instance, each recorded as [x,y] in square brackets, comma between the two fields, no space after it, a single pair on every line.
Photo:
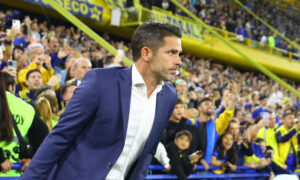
[242,172]
[246,173]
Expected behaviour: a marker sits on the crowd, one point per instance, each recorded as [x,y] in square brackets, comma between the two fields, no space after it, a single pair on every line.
[223,117]
[227,15]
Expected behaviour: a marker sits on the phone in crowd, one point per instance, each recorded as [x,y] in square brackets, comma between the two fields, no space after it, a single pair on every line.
[12,64]
[199,153]
[16,24]
[265,116]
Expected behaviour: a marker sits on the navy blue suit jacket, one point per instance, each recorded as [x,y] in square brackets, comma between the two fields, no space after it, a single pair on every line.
[91,133]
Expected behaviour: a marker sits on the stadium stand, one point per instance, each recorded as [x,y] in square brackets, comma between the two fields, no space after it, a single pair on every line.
[48,59]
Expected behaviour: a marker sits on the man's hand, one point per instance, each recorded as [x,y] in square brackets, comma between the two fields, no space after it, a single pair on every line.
[64,52]
[230,101]
[204,163]
[194,159]
[262,123]
[168,169]
[47,60]
[54,80]
[25,164]
[6,166]
[38,60]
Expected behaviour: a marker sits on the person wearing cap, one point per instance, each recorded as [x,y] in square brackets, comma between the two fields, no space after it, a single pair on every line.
[181,89]
[287,141]
[258,111]
[209,129]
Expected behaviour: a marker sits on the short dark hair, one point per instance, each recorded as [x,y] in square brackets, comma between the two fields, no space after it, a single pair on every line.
[64,88]
[184,133]
[32,71]
[179,101]
[203,100]
[151,34]
[19,47]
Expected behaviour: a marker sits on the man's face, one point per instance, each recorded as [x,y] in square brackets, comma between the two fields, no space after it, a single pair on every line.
[18,54]
[36,51]
[178,111]
[289,121]
[182,142]
[263,102]
[239,115]
[181,87]
[207,108]
[34,81]
[234,129]
[53,44]
[166,61]
[81,69]
[272,120]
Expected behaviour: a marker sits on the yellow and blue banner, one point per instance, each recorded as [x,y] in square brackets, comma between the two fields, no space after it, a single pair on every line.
[85,8]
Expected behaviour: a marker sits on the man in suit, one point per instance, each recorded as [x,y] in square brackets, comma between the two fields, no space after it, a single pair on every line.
[113,123]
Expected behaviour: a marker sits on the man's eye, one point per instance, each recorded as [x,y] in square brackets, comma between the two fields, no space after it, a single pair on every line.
[171,53]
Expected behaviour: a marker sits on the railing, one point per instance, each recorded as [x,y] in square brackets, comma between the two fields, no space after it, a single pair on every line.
[241,172]
[134,16]
[257,45]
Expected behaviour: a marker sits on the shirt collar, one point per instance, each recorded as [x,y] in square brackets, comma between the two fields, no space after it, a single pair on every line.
[137,79]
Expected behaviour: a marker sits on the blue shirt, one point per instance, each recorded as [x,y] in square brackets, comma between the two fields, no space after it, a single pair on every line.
[258,112]
[257,150]
[21,42]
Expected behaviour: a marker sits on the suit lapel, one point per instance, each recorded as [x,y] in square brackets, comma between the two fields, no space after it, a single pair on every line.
[125,82]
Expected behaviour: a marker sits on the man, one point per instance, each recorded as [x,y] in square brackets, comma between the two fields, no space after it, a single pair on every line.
[258,111]
[287,140]
[58,57]
[208,129]
[268,134]
[34,81]
[37,58]
[112,125]
[81,67]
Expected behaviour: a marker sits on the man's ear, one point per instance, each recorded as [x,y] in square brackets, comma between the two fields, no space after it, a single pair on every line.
[146,54]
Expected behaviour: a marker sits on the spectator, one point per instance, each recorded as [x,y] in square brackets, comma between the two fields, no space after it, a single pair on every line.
[181,165]
[224,154]
[208,129]
[30,127]
[287,142]
[36,58]
[268,134]
[81,67]
[258,112]
[34,81]
[47,108]
[178,123]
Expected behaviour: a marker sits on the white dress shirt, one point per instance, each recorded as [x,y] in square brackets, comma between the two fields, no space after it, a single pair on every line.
[141,118]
